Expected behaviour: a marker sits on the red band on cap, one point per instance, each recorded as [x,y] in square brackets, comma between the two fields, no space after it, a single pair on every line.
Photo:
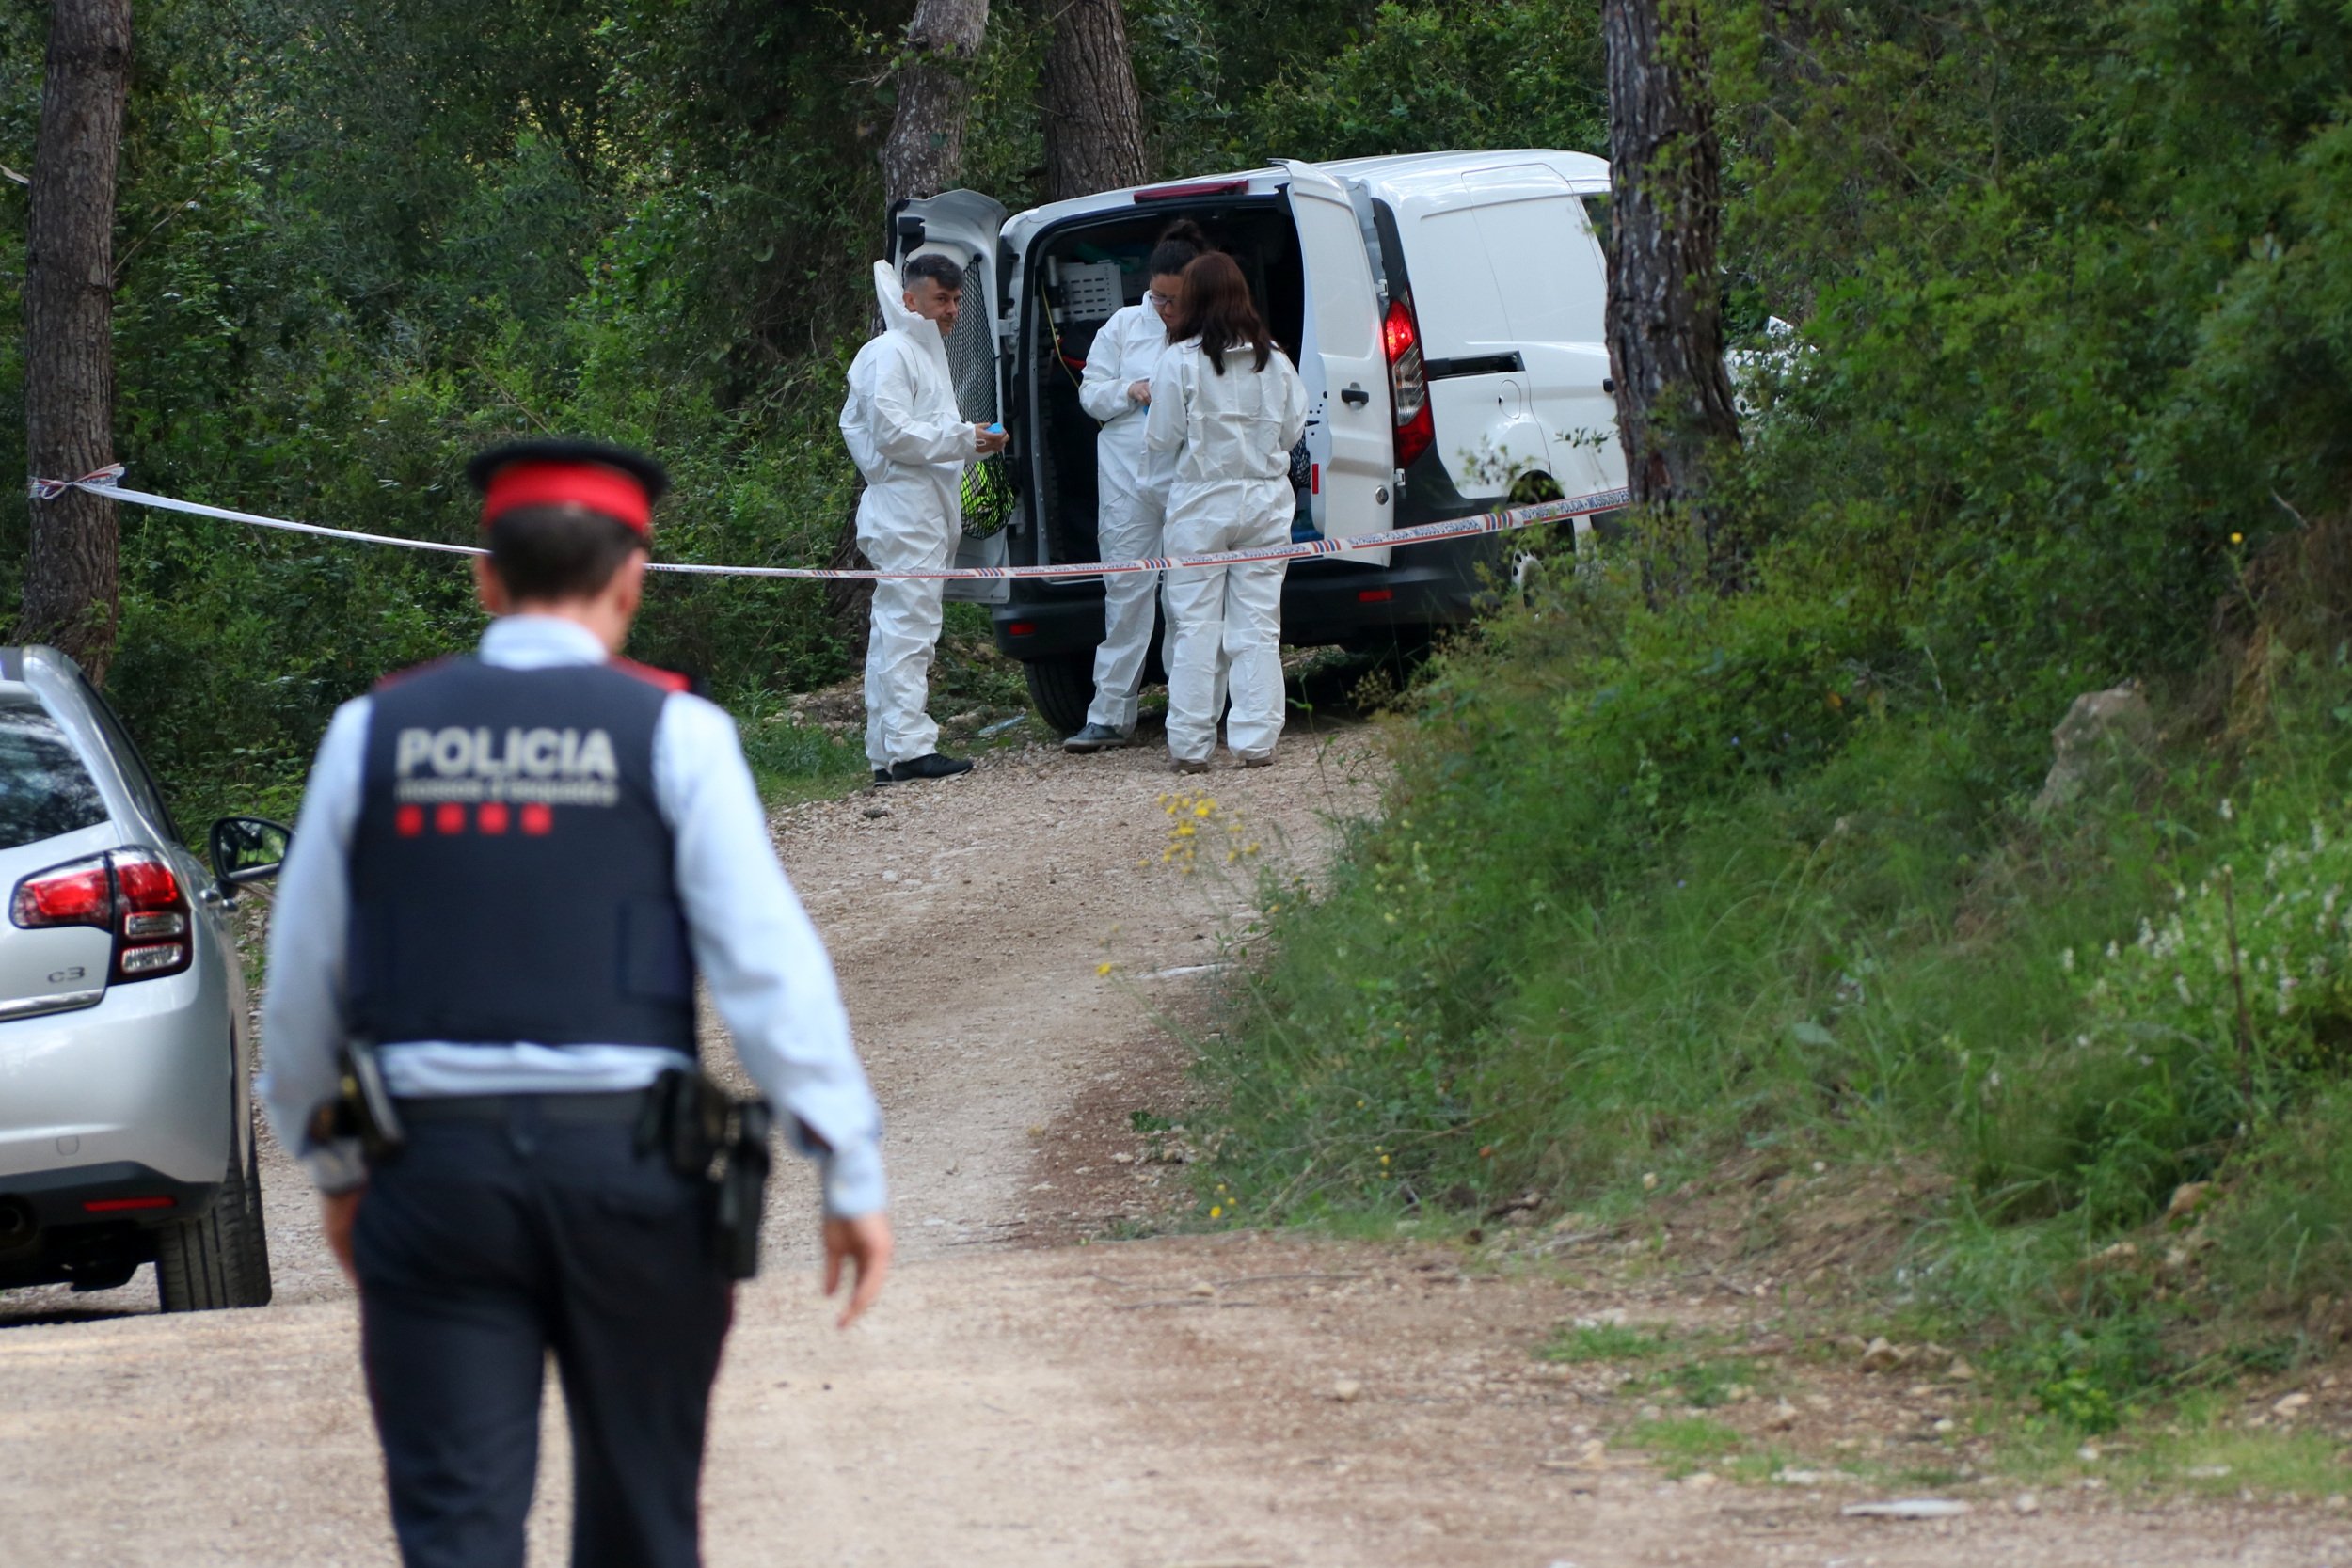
[589,484]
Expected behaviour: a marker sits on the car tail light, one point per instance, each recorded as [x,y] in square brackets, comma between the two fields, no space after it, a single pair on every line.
[131,892]
[81,894]
[1409,387]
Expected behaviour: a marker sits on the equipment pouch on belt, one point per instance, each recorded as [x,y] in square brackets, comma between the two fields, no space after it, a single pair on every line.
[707,1135]
[362,1107]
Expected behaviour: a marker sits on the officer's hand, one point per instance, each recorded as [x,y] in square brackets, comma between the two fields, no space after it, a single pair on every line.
[338,1214]
[864,1244]
[990,440]
[1140,393]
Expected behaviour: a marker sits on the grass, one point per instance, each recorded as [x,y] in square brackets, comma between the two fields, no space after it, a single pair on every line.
[1605,1342]
[1684,1444]
[1617,928]
[2198,1447]
[795,762]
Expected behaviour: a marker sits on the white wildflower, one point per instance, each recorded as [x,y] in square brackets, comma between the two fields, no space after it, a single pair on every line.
[2179,984]
[2066,959]
[2227,815]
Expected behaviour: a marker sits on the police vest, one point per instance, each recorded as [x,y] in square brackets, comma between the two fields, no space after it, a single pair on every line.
[512,879]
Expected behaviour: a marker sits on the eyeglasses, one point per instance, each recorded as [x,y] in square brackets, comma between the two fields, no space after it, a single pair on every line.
[1158,301]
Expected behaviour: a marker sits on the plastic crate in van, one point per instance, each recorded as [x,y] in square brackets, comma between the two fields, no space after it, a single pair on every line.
[1090,291]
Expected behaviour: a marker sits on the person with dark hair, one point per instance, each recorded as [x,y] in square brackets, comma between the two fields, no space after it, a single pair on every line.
[1117,390]
[509,872]
[1227,406]
[911,444]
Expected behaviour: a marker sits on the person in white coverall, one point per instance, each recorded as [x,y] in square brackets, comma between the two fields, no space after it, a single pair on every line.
[1117,391]
[1227,406]
[910,442]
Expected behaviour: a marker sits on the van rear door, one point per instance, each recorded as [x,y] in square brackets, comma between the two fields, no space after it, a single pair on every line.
[1352,437]
[962,226]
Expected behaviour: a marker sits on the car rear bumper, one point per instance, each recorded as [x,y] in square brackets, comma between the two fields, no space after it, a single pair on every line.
[1324,601]
[89,1225]
[147,1078]
[121,1192]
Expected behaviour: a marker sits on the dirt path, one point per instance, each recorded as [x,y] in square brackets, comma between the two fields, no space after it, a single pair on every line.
[1229,1399]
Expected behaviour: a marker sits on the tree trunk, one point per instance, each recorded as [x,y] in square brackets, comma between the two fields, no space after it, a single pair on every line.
[925,153]
[1674,410]
[70,588]
[1094,114]
[923,157]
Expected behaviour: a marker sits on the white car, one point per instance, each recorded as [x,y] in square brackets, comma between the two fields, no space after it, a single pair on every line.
[126,1123]
[1447,311]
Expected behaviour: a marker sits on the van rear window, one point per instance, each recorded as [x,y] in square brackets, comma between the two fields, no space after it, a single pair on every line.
[44,789]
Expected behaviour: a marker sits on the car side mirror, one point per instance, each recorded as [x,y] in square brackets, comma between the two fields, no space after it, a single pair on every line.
[249,849]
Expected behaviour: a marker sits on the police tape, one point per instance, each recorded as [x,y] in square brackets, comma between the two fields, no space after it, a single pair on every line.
[107,481]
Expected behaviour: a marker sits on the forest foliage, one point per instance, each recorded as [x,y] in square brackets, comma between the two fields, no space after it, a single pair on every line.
[358,243]
[1744,874]
[1754,878]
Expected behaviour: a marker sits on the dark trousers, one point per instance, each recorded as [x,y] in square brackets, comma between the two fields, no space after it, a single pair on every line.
[508,1230]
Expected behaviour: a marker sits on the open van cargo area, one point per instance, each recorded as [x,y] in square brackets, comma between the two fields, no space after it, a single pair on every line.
[1068,301]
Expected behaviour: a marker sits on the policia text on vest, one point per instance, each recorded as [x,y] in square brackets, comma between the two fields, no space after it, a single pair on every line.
[568,767]
[509,873]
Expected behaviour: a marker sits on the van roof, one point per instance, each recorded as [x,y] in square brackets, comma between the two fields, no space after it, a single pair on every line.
[1398,175]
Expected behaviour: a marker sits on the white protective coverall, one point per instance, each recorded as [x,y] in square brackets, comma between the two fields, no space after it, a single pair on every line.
[1230,439]
[910,442]
[1126,350]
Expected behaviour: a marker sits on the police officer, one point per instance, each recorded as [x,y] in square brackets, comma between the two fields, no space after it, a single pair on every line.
[508,872]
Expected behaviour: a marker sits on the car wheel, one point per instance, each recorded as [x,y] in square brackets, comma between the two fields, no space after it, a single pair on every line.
[1062,685]
[221,1258]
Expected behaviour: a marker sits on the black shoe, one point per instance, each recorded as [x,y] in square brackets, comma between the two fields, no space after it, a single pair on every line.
[882,775]
[1097,738]
[934,766]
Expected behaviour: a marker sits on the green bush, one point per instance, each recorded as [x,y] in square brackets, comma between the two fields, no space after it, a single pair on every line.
[2283,1234]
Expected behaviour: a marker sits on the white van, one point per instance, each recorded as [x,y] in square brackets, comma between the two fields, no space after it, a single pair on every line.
[1446,312]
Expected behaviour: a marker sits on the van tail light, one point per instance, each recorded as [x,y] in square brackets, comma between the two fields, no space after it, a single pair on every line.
[1409,386]
[130,893]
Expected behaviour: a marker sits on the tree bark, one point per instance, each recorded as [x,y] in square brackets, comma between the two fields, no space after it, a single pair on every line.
[1674,409]
[925,153]
[71,593]
[1094,114]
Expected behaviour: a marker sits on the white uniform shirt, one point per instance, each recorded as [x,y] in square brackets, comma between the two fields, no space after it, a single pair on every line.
[767,969]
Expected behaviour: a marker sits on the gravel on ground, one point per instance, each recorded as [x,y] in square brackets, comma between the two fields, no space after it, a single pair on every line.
[1021,962]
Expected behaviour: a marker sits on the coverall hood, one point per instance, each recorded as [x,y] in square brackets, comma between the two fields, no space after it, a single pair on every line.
[892,295]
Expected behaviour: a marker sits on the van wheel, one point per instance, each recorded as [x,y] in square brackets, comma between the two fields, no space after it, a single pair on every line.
[221,1258]
[1062,685]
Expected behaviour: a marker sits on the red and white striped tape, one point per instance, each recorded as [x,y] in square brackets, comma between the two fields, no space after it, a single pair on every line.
[107,481]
